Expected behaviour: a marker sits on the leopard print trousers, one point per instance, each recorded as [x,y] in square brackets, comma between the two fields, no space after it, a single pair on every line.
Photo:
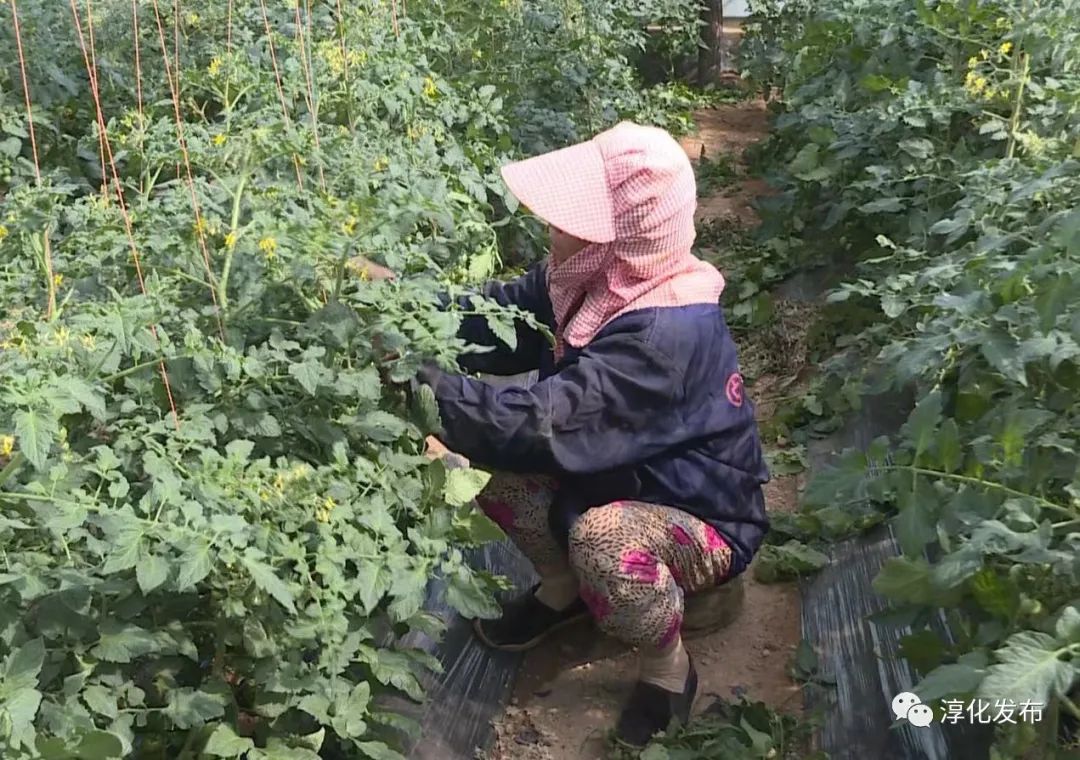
[633,561]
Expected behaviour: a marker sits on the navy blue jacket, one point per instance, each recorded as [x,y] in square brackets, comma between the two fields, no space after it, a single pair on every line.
[644,412]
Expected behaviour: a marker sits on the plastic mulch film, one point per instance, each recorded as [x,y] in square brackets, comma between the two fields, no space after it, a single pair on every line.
[864,656]
[476,681]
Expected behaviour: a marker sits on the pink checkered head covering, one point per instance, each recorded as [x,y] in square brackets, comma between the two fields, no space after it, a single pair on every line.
[630,192]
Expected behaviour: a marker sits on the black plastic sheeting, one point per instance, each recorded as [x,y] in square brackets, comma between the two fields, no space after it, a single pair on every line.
[476,682]
[837,605]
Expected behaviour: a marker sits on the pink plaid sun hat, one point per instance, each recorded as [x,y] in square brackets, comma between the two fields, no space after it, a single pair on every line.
[631,193]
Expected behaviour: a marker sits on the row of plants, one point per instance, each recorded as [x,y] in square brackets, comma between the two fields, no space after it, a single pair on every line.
[216,519]
[929,150]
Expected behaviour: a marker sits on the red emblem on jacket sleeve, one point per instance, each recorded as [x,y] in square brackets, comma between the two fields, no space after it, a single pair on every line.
[734,389]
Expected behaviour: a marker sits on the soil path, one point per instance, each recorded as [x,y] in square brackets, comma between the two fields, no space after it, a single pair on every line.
[570,689]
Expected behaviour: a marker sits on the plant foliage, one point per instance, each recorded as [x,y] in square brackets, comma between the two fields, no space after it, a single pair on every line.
[931,147]
[216,522]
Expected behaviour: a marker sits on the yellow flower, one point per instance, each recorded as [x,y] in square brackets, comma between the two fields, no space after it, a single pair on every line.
[382,164]
[215,66]
[62,336]
[200,227]
[57,280]
[230,240]
[1006,48]
[974,83]
[268,246]
[193,19]
[88,342]
[349,225]
[219,140]
[985,55]
[279,483]
[3,233]
[973,62]
[7,445]
[430,90]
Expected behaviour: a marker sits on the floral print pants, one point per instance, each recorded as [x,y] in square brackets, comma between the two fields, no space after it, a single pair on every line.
[633,561]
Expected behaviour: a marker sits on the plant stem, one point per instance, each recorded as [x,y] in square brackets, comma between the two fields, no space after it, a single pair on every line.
[13,464]
[988,484]
[1023,61]
[223,285]
[141,366]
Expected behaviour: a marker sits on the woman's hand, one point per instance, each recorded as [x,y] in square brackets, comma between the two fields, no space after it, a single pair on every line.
[369,270]
[435,449]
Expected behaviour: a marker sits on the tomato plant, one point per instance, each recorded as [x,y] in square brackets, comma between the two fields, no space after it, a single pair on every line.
[934,145]
[216,520]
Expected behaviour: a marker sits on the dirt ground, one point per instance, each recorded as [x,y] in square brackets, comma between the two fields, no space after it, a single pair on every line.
[570,689]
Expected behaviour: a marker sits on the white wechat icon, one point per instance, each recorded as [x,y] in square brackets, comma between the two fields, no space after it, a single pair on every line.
[906,705]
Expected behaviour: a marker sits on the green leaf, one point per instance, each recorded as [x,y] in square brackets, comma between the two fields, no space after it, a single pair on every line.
[503,329]
[382,426]
[225,742]
[917,147]
[11,146]
[99,745]
[126,548]
[1029,668]
[948,447]
[922,425]
[82,392]
[806,660]
[916,522]
[905,580]
[477,528]
[257,642]
[1053,299]
[407,588]
[1067,627]
[123,642]
[427,410]
[378,751]
[194,565]
[21,706]
[1001,350]
[373,582]
[36,434]
[462,486]
[788,561]
[893,305]
[22,667]
[350,713]
[924,650]
[995,593]
[951,680]
[309,374]
[151,571]
[101,700]
[465,594]
[267,580]
[883,206]
[190,708]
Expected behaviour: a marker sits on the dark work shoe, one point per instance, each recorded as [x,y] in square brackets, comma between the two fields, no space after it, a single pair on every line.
[652,710]
[526,621]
